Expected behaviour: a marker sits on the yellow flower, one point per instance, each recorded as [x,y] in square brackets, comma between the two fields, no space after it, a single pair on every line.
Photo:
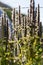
[40,49]
[7,58]
[20,55]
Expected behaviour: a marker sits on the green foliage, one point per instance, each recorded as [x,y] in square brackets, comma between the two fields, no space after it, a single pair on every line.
[30,52]
[8,11]
[31,49]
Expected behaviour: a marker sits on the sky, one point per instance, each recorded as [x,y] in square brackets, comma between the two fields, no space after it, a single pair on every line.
[25,3]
